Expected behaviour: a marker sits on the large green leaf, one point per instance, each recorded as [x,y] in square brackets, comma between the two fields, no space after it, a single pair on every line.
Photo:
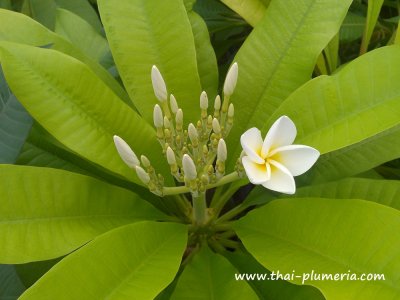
[83,9]
[278,57]
[251,10]
[359,101]
[15,124]
[143,33]
[81,34]
[18,28]
[73,105]
[132,262]
[211,276]
[269,289]
[46,213]
[330,236]
[374,7]
[356,158]
[386,192]
[205,55]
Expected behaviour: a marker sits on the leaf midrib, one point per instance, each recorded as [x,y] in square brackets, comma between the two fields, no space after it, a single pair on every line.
[280,59]
[60,218]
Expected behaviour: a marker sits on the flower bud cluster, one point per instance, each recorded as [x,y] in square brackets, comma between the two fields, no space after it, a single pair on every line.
[197,153]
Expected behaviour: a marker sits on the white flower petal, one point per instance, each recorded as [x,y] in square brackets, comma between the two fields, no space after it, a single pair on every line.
[281,179]
[298,159]
[252,142]
[282,133]
[257,173]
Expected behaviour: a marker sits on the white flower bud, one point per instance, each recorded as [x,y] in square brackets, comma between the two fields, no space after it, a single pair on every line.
[192,131]
[167,123]
[157,116]
[230,80]
[125,152]
[145,161]
[217,103]
[179,117]
[215,125]
[171,156]
[160,89]
[173,104]
[203,100]
[221,152]
[188,167]
[231,111]
[142,174]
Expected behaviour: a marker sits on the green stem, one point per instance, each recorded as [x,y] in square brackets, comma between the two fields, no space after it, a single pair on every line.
[200,209]
[184,189]
[231,214]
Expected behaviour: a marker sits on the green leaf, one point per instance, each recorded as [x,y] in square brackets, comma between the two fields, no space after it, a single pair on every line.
[310,234]
[374,7]
[352,27]
[81,34]
[48,213]
[42,11]
[159,34]
[276,60]
[205,55]
[210,276]
[386,192]
[359,101]
[18,28]
[83,9]
[132,262]
[356,158]
[11,286]
[74,106]
[252,11]
[15,124]
[270,289]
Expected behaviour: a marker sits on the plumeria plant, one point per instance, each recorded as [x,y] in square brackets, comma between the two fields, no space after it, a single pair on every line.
[142,177]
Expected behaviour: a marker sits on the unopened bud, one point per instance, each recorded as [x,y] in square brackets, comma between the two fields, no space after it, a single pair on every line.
[193,135]
[171,156]
[209,122]
[167,123]
[204,179]
[173,104]
[179,117]
[159,87]
[203,101]
[221,152]
[125,152]
[215,126]
[230,80]
[145,161]
[217,103]
[231,110]
[157,116]
[188,167]
[142,174]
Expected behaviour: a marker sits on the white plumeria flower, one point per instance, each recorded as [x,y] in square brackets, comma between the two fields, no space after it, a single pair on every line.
[274,161]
